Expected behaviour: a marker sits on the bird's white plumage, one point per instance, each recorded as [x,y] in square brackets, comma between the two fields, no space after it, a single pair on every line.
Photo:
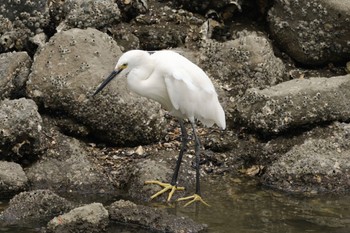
[179,85]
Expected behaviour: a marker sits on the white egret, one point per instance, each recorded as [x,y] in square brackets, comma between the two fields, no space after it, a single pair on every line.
[182,88]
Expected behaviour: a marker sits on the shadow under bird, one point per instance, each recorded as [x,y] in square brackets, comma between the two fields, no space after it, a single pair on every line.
[183,89]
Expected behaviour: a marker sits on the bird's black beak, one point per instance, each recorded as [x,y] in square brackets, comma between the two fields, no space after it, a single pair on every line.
[107,80]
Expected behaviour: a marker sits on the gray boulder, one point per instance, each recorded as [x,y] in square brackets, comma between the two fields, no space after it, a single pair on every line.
[295,103]
[37,205]
[143,170]
[219,6]
[14,72]
[69,69]
[162,27]
[312,32]
[316,165]
[20,20]
[88,218]
[124,36]
[238,65]
[242,63]
[151,218]
[66,167]
[132,8]
[21,130]
[12,179]
[84,13]
[159,166]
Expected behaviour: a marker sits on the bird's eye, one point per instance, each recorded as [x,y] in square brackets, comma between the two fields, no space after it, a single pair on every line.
[124,65]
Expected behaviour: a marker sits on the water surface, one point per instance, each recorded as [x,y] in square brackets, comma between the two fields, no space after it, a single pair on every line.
[242,206]
[239,205]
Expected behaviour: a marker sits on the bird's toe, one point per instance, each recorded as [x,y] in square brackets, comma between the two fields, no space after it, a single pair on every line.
[166,187]
[193,198]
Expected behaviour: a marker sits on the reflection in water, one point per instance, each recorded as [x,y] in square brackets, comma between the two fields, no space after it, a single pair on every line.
[241,206]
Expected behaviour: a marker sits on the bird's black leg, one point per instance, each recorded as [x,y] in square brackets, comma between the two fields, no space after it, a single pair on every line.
[172,187]
[197,153]
[182,151]
[197,195]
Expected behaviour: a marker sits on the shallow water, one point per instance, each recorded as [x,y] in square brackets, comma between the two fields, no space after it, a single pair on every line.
[240,205]
[15,229]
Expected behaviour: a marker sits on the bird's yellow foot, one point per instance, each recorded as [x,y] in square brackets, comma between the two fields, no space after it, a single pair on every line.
[194,198]
[166,187]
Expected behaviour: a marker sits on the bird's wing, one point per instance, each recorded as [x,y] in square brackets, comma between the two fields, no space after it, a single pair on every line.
[190,90]
[192,100]
[181,68]
[179,88]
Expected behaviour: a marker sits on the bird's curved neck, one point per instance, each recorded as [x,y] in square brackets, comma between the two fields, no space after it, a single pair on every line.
[137,78]
[143,82]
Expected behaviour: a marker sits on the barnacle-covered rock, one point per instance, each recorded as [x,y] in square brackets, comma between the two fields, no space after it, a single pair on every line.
[21,20]
[313,32]
[68,70]
[83,14]
[296,103]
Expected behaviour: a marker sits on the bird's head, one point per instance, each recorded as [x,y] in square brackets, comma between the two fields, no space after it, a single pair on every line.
[126,62]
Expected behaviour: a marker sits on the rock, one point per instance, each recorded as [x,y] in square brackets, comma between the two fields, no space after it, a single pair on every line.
[84,14]
[66,167]
[69,69]
[238,65]
[12,179]
[227,11]
[147,170]
[316,165]
[88,218]
[20,20]
[295,103]
[312,32]
[37,205]
[21,130]
[158,37]
[132,8]
[67,126]
[39,39]
[124,37]
[159,167]
[162,27]
[14,72]
[151,218]
[207,5]
[242,63]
